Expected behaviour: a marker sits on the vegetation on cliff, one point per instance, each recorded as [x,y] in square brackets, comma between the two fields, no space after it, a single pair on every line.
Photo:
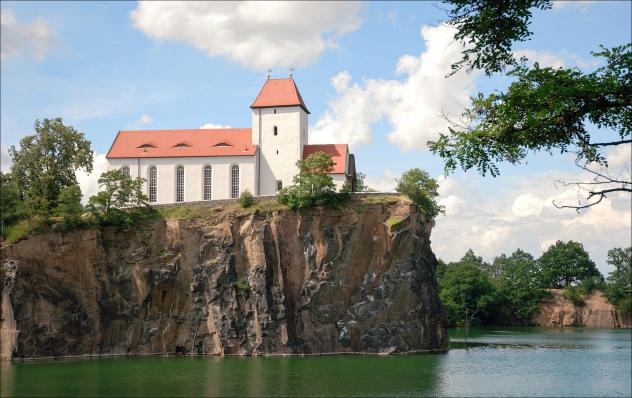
[509,289]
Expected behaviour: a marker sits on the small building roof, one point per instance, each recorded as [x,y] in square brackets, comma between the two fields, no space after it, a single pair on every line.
[279,92]
[338,154]
[182,143]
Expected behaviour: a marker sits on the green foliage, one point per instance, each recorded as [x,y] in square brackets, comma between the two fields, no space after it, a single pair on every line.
[313,186]
[9,201]
[242,286]
[619,282]
[360,184]
[566,263]
[245,199]
[488,28]
[576,295]
[546,109]
[46,163]
[69,206]
[519,280]
[466,291]
[121,200]
[16,231]
[422,190]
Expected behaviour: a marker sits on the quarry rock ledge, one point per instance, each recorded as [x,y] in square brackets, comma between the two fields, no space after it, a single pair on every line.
[360,279]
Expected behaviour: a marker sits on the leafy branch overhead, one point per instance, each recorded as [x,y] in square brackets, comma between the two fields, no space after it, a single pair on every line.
[545,109]
[488,29]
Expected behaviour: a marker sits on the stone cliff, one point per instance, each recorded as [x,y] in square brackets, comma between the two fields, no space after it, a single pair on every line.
[356,279]
[557,310]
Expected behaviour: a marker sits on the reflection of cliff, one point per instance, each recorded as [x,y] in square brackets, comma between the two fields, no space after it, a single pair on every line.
[354,279]
[597,312]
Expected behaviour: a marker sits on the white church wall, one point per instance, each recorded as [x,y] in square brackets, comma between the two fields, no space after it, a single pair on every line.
[193,175]
[339,180]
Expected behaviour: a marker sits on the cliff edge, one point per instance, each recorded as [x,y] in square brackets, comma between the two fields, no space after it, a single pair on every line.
[557,310]
[356,279]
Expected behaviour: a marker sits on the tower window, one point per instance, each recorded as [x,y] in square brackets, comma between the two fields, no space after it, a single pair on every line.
[180,184]
[275,111]
[277,151]
[153,184]
[234,182]
[279,185]
[275,130]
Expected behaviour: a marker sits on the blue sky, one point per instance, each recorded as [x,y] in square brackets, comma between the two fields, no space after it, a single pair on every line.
[102,70]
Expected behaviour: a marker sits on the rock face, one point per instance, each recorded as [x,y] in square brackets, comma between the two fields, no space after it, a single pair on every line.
[358,279]
[557,310]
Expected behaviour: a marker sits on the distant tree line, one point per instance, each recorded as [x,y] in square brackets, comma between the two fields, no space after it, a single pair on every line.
[509,289]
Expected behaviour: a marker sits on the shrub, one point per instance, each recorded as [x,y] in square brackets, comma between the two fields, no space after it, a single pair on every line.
[245,199]
[422,190]
[575,294]
[69,207]
[313,186]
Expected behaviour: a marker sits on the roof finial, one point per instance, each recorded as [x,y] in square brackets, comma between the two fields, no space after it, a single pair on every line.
[291,71]
[269,73]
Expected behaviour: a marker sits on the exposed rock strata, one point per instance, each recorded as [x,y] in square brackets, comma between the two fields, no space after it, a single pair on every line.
[359,279]
[557,310]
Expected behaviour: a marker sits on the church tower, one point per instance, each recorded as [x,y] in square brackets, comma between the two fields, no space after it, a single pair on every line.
[279,129]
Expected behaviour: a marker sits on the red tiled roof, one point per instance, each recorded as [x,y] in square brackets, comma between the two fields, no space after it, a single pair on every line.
[338,154]
[198,142]
[279,92]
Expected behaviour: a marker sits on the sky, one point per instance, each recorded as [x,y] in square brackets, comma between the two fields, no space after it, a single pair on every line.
[372,75]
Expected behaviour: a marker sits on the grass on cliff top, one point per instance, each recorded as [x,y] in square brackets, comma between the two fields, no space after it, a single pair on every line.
[265,206]
[16,231]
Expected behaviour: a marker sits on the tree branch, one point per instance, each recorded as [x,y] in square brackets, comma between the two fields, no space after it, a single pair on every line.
[611,143]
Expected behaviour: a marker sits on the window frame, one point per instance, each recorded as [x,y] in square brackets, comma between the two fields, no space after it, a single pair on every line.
[210,193]
[232,194]
[178,194]
[155,184]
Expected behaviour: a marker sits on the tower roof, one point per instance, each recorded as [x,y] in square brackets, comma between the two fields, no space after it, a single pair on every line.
[279,92]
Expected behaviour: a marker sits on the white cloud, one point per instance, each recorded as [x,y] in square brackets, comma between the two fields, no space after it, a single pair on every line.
[256,34]
[36,38]
[620,156]
[544,58]
[145,119]
[89,182]
[517,212]
[5,161]
[383,183]
[527,205]
[214,126]
[413,105]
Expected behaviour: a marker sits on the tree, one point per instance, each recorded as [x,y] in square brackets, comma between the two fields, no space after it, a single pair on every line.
[619,282]
[46,162]
[359,185]
[565,264]
[9,201]
[69,206]
[520,283]
[422,190]
[546,109]
[466,292]
[488,29]
[313,186]
[118,191]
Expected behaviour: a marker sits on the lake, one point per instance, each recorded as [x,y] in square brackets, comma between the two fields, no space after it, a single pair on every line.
[500,362]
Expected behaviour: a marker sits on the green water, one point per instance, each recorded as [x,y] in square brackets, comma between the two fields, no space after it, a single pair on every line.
[502,362]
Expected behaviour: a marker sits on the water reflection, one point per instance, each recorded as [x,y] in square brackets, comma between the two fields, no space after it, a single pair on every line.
[508,362]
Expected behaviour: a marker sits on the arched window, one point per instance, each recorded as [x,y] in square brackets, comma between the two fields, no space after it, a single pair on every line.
[179,184]
[153,184]
[234,182]
[207,182]
[275,129]
[125,171]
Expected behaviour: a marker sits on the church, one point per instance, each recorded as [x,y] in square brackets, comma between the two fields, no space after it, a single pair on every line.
[211,164]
